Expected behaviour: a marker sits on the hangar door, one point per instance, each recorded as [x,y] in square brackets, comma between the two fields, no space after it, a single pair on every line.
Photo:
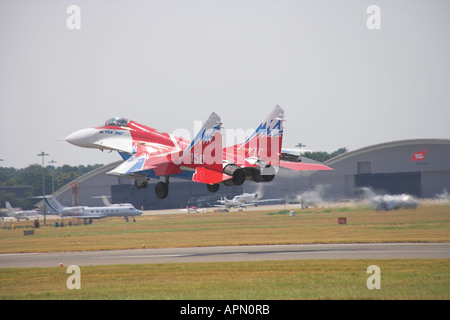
[392,183]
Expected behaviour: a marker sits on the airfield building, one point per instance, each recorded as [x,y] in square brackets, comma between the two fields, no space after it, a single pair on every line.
[419,167]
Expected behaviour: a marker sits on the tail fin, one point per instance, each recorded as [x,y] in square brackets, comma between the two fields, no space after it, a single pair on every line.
[9,208]
[105,200]
[206,148]
[265,142]
[54,205]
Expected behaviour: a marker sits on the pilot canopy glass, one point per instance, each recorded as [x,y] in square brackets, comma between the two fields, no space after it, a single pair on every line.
[117,122]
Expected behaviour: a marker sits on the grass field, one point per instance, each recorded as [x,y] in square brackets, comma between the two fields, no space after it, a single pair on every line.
[306,279]
[424,224]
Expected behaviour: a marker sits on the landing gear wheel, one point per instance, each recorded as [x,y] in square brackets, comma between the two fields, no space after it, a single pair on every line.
[213,187]
[161,190]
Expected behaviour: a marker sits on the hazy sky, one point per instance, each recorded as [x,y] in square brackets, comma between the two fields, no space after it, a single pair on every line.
[169,63]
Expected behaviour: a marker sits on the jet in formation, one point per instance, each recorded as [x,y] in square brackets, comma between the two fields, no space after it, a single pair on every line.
[88,213]
[149,153]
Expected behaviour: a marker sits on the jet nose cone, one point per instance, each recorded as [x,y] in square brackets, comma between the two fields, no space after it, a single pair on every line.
[82,138]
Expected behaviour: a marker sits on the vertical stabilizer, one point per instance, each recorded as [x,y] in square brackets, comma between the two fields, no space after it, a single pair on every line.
[54,205]
[9,209]
[206,148]
[266,141]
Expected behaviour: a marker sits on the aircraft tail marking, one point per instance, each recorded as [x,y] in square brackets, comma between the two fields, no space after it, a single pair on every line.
[206,147]
[265,142]
[53,204]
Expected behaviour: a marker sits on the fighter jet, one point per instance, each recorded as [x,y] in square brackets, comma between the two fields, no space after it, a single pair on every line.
[20,214]
[149,153]
[89,213]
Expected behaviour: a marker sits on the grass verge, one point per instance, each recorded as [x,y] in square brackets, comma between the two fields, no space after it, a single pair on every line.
[297,279]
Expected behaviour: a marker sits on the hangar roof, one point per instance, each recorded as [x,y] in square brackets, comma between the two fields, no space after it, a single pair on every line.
[384,146]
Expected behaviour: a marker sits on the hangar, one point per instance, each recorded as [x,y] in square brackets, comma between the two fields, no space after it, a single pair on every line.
[420,167]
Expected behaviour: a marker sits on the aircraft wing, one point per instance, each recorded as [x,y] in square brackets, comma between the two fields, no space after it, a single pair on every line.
[122,145]
[231,205]
[266,200]
[137,164]
[87,216]
[300,166]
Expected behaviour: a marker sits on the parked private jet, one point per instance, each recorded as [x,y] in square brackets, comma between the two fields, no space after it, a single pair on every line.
[243,200]
[89,213]
[20,214]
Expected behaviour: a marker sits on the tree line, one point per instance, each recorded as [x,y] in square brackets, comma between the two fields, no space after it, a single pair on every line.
[322,156]
[54,177]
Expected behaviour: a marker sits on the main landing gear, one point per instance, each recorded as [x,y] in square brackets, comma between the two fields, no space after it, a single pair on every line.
[162,189]
[213,187]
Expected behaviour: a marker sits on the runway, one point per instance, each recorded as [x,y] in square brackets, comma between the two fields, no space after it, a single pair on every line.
[231,253]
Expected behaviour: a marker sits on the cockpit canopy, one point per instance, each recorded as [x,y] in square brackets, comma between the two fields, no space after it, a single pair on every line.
[117,122]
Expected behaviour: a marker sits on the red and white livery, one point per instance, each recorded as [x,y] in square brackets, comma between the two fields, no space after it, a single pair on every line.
[149,153]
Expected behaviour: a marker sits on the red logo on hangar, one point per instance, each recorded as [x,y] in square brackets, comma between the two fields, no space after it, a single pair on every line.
[419,155]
